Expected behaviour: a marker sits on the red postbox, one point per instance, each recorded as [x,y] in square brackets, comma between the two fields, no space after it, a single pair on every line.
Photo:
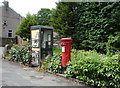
[66,50]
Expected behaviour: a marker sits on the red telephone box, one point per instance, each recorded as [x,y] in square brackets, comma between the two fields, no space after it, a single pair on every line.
[66,50]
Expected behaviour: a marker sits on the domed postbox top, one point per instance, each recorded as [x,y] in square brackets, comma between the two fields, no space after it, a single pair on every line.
[66,39]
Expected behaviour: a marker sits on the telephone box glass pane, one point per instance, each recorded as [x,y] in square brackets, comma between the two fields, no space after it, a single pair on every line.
[35,38]
[49,37]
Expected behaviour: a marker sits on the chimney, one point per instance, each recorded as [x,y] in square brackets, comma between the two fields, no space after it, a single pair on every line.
[6,3]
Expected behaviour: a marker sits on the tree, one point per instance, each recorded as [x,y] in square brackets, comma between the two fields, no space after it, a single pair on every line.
[88,23]
[64,18]
[98,21]
[24,28]
[43,17]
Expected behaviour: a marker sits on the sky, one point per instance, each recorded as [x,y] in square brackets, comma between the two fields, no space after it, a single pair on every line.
[30,6]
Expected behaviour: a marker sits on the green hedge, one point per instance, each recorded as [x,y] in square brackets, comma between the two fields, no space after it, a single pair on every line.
[55,64]
[94,68]
[91,67]
[20,54]
[112,45]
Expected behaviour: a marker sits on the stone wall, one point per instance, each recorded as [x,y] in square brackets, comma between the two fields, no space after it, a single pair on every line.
[9,22]
[9,41]
[20,41]
[1,52]
[12,21]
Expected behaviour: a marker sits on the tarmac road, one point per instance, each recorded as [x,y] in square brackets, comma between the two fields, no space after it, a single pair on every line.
[17,75]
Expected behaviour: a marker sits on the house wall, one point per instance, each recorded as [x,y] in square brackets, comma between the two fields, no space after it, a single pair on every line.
[0,25]
[13,20]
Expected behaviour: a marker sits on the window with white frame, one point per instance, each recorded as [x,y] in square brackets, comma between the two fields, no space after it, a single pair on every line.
[10,33]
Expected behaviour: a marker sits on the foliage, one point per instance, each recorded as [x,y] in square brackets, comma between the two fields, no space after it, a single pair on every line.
[20,54]
[57,50]
[55,64]
[45,64]
[43,17]
[113,45]
[99,21]
[88,23]
[94,68]
[64,18]
[24,27]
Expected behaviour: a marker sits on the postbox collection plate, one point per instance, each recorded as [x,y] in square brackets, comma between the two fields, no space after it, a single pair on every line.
[63,49]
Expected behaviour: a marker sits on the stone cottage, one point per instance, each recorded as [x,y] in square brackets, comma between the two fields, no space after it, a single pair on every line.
[9,22]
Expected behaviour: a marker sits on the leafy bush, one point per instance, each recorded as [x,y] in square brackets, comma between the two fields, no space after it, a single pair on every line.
[113,45]
[57,50]
[55,64]
[45,63]
[94,68]
[20,54]
[88,24]
[91,67]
